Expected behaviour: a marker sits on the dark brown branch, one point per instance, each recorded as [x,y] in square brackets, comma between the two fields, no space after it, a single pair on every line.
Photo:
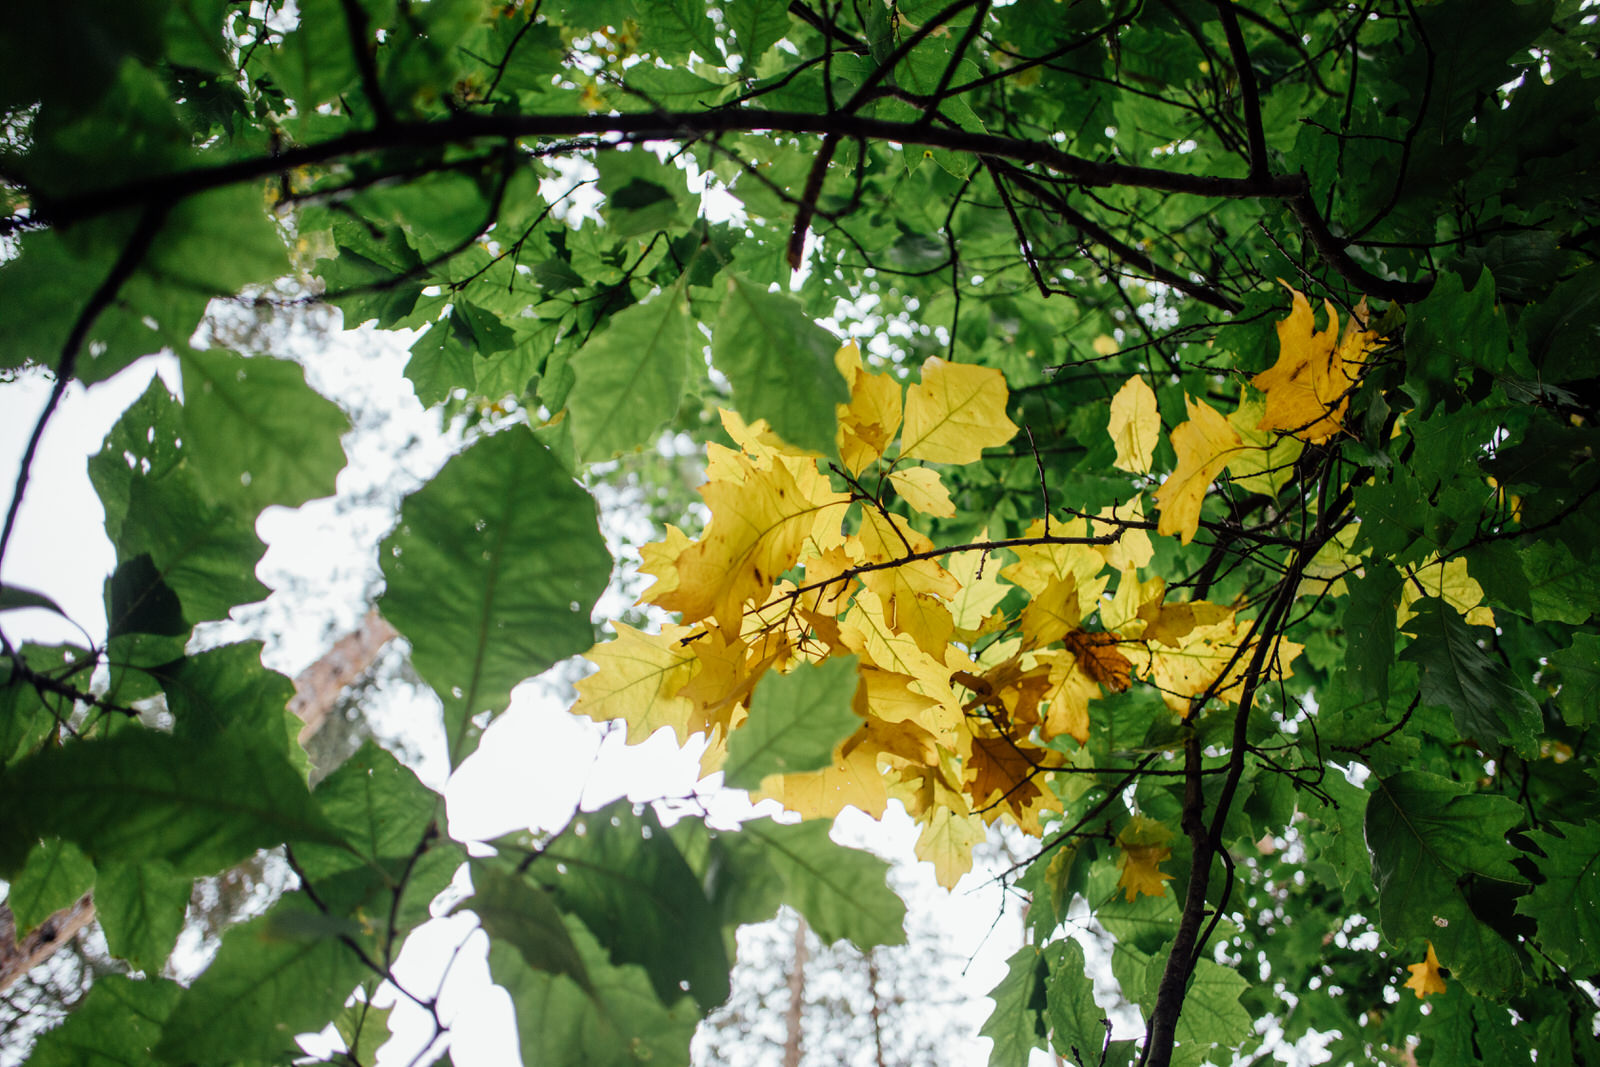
[808,200]
[1248,91]
[645,126]
[828,29]
[1123,250]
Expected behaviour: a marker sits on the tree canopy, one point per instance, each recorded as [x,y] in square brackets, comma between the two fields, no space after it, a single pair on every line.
[1167,427]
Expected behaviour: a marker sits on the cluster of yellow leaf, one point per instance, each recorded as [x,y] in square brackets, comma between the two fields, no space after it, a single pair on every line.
[1306,394]
[958,699]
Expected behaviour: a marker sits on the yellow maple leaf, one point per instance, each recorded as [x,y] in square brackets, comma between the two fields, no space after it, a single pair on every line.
[1121,613]
[1052,614]
[1144,848]
[980,589]
[1037,566]
[885,536]
[1425,977]
[1135,426]
[1204,445]
[827,588]
[921,488]
[925,618]
[853,781]
[1067,701]
[1308,389]
[868,423]
[866,631]
[955,412]
[759,525]
[725,672]
[1209,658]
[887,696]
[638,681]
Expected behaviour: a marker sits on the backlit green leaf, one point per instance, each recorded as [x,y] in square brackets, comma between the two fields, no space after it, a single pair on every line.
[780,364]
[630,378]
[272,979]
[491,575]
[796,720]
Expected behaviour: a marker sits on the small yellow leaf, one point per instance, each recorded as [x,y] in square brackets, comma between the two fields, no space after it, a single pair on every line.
[1052,614]
[1450,582]
[1204,445]
[1135,426]
[1105,345]
[660,560]
[921,488]
[1425,977]
[980,593]
[1266,464]
[1143,845]
[868,423]
[853,781]
[1133,547]
[1038,565]
[1067,702]
[955,412]
[947,840]
[762,518]
[638,682]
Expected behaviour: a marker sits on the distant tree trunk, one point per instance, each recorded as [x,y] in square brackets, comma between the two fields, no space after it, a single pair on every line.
[317,688]
[17,958]
[797,998]
[876,1009]
[316,691]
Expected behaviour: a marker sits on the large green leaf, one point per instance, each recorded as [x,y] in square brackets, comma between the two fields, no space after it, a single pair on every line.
[56,874]
[841,891]
[141,908]
[1213,1020]
[1017,1023]
[631,377]
[795,722]
[256,432]
[117,1025]
[1482,697]
[200,550]
[515,912]
[780,364]
[227,691]
[275,977]
[623,876]
[618,1020]
[1579,665]
[142,795]
[1077,1024]
[387,819]
[1564,903]
[756,25]
[492,574]
[1429,838]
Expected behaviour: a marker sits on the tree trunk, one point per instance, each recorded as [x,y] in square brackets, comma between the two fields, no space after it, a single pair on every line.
[797,998]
